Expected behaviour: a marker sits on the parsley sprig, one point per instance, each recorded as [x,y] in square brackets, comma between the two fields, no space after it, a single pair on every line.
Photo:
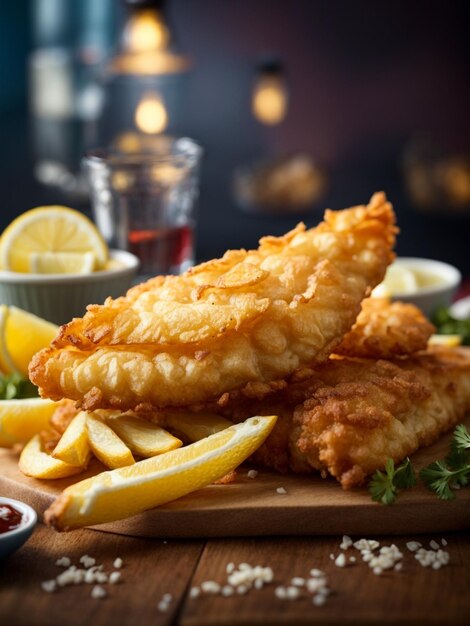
[453,472]
[384,486]
[15,386]
[443,476]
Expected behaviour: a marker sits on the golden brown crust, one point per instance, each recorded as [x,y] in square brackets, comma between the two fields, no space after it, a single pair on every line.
[384,330]
[249,317]
[347,416]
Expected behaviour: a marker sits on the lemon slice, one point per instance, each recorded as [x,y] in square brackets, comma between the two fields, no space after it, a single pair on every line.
[62,262]
[49,229]
[106,445]
[196,426]
[450,341]
[73,447]
[22,335]
[21,419]
[123,492]
[399,280]
[143,437]
[36,463]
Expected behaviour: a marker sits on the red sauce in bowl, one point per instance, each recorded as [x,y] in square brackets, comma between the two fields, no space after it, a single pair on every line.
[10,518]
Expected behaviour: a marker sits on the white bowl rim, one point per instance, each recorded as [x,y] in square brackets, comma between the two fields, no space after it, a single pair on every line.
[451,276]
[130,263]
[25,510]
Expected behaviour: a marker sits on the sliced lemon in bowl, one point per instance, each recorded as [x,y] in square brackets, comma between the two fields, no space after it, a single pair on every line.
[123,492]
[49,229]
[398,280]
[22,419]
[62,262]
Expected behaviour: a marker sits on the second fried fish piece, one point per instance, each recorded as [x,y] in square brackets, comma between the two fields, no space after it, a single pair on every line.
[251,316]
[348,416]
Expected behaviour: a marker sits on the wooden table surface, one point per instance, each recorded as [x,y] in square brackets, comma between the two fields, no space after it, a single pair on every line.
[152,568]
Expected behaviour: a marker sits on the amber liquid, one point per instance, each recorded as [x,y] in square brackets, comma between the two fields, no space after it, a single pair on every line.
[162,250]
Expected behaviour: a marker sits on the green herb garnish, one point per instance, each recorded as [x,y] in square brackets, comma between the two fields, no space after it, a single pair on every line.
[443,477]
[384,486]
[15,386]
[448,325]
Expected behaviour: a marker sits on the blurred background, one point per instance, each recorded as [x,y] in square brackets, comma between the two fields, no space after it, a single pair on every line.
[298,106]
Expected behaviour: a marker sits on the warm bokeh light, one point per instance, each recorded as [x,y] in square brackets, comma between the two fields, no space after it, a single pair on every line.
[146,32]
[270,100]
[151,116]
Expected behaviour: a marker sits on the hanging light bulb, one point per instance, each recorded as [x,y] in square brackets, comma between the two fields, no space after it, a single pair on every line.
[270,96]
[146,44]
[151,116]
[146,31]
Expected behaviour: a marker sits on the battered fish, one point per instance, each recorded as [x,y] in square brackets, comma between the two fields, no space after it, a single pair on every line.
[347,417]
[386,329]
[250,316]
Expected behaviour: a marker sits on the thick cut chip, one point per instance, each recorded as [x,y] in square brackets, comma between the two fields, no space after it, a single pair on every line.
[36,463]
[106,445]
[73,447]
[143,437]
[195,426]
[251,316]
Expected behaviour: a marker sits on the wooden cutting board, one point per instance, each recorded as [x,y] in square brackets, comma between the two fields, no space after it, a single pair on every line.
[252,507]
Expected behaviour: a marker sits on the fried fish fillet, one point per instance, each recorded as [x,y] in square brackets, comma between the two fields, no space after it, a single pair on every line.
[251,316]
[348,416]
[386,329]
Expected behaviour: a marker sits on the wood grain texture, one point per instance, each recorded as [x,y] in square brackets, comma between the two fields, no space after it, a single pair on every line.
[415,595]
[412,597]
[151,569]
[251,507]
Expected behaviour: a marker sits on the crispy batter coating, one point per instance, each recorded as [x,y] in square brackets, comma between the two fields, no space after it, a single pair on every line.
[386,329]
[348,416]
[250,316]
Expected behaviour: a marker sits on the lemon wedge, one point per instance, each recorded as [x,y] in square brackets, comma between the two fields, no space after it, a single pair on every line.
[450,341]
[22,335]
[142,437]
[106,445]
[22,419]
[49,229]
[123,492]
[196,426]
[73,447]
[36,463]
[62,262]
[6,362]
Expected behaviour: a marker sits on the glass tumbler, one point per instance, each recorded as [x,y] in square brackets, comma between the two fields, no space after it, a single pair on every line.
[144,201]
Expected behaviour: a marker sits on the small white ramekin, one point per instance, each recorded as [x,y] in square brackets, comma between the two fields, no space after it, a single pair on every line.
[14,539]
[428,299]
[60,297]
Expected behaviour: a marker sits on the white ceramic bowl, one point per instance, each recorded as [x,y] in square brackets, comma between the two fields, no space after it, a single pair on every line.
[60,297]
[429,298]
[14,539]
